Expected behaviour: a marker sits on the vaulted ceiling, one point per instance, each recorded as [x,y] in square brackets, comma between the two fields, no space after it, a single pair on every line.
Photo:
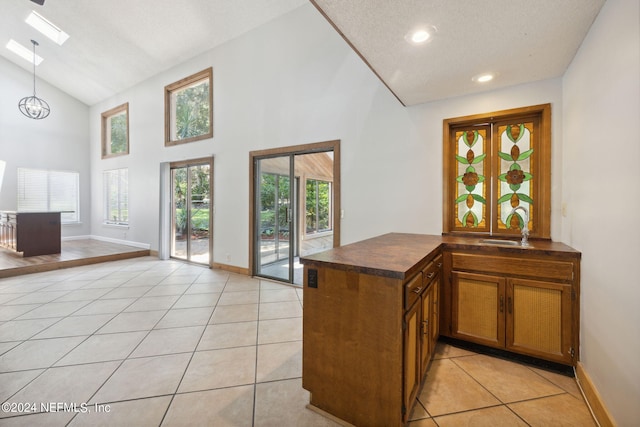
[116,44]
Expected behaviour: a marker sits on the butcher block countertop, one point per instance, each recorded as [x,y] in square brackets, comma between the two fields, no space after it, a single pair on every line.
[399,255]
[392,255]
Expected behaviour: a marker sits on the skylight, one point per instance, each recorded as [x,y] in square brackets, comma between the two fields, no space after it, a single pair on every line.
[23,52]
[46,27]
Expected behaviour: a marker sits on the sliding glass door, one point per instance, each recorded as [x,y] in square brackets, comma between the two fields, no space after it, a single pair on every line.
[191,216]
[275,223]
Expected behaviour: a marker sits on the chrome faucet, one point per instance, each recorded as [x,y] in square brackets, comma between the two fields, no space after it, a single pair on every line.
[525,229]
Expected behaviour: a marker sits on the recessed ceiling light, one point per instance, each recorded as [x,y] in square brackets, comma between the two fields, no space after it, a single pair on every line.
[483,78]
[46,27]
[421,35]
[23,52]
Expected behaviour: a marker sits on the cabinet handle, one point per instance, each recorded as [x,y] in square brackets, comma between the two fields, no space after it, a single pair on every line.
[417,290]
[431,274]
[509,305]
[501,304]
[425,327]
[439,264]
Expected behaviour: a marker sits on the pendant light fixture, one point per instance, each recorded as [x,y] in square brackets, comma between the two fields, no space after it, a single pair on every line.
[32,106]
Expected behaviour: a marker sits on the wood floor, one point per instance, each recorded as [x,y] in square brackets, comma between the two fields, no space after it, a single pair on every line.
[74,253]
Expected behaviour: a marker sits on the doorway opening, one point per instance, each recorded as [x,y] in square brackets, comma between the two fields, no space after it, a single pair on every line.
[191,215]
[295,205]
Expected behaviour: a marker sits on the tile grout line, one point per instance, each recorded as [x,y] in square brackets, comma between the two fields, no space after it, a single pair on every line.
[46,369]
[126,357]
[195,349]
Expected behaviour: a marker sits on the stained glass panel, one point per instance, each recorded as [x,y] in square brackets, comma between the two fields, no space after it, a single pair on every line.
[471,186]
[515,177]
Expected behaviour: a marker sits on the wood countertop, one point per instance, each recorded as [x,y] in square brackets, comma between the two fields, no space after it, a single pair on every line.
[394,255]
[399,255]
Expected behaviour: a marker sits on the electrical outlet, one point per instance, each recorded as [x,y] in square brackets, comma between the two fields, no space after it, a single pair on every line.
[312,278]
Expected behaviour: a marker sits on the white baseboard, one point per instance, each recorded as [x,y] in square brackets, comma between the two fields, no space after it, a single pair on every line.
[110,240]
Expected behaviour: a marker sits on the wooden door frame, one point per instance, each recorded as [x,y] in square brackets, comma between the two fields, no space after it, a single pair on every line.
[318,147]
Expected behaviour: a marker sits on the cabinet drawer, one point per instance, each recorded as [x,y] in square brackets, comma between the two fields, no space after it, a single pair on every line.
[412,290]
[512,266]
[432,270]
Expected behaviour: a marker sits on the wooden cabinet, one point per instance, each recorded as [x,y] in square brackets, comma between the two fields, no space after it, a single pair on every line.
[373,311]
[412,352]
[519,303]
[32,233]
[429,311]
[365,350]
[477,308]
[421,326]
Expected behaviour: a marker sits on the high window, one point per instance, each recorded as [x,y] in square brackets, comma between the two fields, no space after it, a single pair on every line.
[115,131]
[50,191]
[188,105]
[493,164]
[318,206]
[116,196]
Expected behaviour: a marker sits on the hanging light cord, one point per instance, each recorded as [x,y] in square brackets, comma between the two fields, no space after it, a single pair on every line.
[35,43]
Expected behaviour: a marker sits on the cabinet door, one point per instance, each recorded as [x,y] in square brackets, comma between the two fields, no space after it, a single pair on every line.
[434,324]
[411,357]
[426,349]
[539,319]
[478,302]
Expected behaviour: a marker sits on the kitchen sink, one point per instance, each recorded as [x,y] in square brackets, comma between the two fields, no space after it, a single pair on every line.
[499,242]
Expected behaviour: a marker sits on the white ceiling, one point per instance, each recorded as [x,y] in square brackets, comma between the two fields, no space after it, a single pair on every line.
[520,40]
[116,44]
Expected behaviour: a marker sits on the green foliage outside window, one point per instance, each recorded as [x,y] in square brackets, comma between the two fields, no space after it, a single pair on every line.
[274,196]
[200,203]
[119,133]
[192,111]
[318,206]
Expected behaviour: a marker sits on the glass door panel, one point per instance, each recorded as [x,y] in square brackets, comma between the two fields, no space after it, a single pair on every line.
[199,213]
[180,239]
[275,225]
[191,192]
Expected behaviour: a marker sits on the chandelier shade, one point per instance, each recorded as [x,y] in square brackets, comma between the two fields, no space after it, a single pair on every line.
[32,106]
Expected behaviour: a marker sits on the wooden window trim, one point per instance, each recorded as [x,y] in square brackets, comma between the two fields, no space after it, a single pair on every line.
[169,89]
[105,117]
[543,205]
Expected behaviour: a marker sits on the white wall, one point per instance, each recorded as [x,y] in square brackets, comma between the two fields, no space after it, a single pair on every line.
[295,81]
[59,142]
[427,120]
[602,150]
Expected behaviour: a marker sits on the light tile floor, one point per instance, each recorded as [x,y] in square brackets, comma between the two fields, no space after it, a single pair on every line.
[144,342]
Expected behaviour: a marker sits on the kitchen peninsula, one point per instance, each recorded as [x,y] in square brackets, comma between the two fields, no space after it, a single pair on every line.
[374,309]
[32,233]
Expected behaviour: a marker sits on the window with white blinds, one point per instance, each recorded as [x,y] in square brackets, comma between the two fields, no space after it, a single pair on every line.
[116,196]
[50,191]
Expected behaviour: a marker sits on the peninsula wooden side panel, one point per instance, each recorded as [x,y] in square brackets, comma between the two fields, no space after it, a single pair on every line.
[353,346]
[364,329]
